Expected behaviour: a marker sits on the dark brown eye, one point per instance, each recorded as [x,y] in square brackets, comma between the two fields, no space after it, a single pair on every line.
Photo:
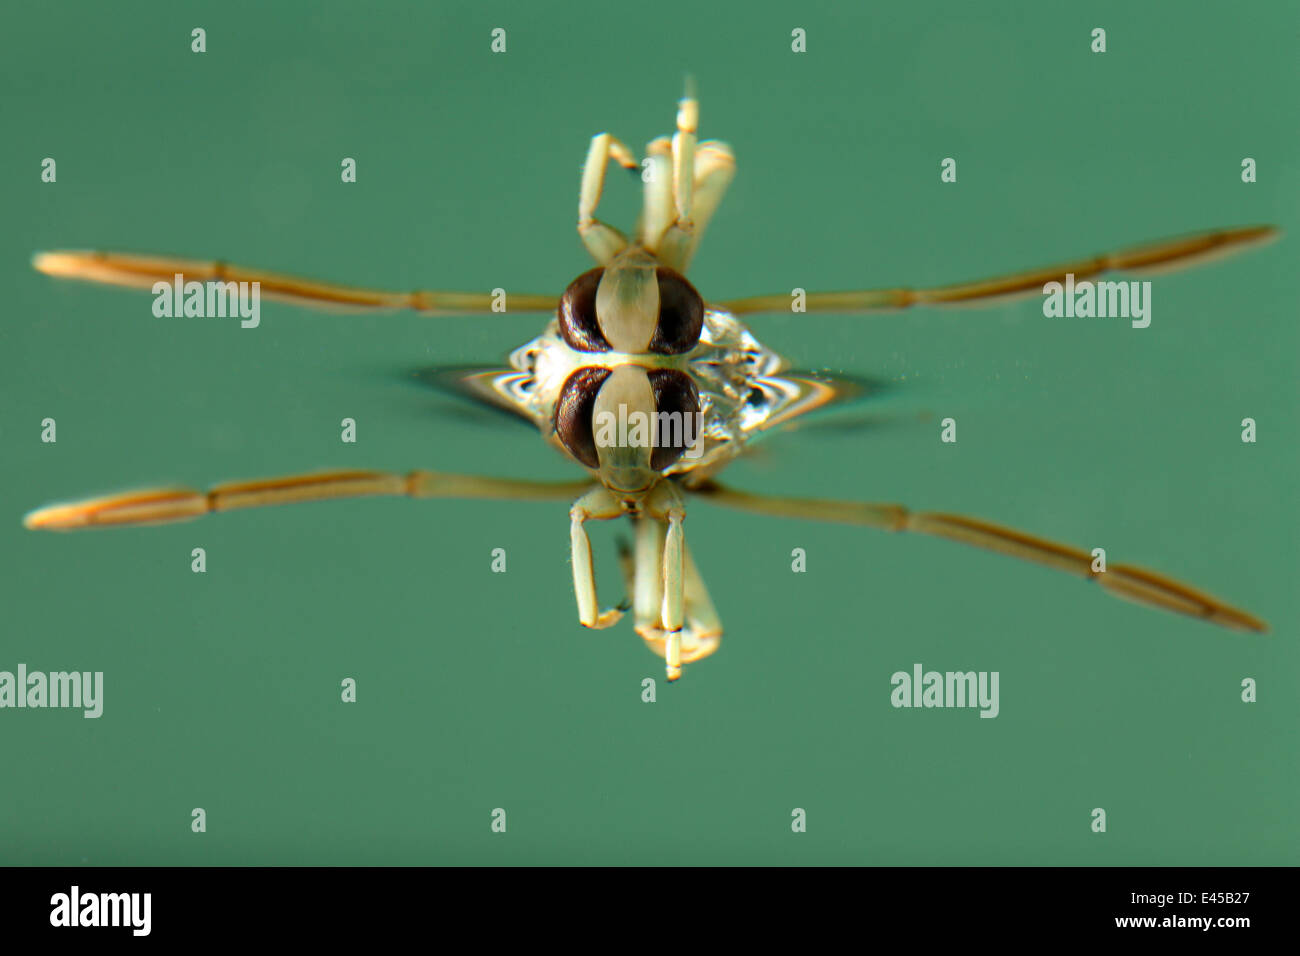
[578,323]
[681,314]
[573,413]
[676,396]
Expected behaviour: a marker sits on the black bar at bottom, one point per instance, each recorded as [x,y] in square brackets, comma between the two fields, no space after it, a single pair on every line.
[210,904]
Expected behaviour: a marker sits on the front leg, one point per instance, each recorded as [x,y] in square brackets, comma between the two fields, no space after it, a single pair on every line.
[600,505]
[604,242]
[666,502]
[702,631]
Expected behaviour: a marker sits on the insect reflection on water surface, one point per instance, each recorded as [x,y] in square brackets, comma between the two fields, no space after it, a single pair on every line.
[651,390]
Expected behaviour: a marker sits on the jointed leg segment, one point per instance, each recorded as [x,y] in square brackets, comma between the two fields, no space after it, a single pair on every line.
[685,185]
[602,241]
[161,506]
[701,629]
[143,272]
[1133,583]
[1163,255]
[672,610]
[599,504]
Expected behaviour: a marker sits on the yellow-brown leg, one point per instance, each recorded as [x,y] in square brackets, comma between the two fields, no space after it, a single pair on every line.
[1126,581]
[160,506]
[1167,254]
